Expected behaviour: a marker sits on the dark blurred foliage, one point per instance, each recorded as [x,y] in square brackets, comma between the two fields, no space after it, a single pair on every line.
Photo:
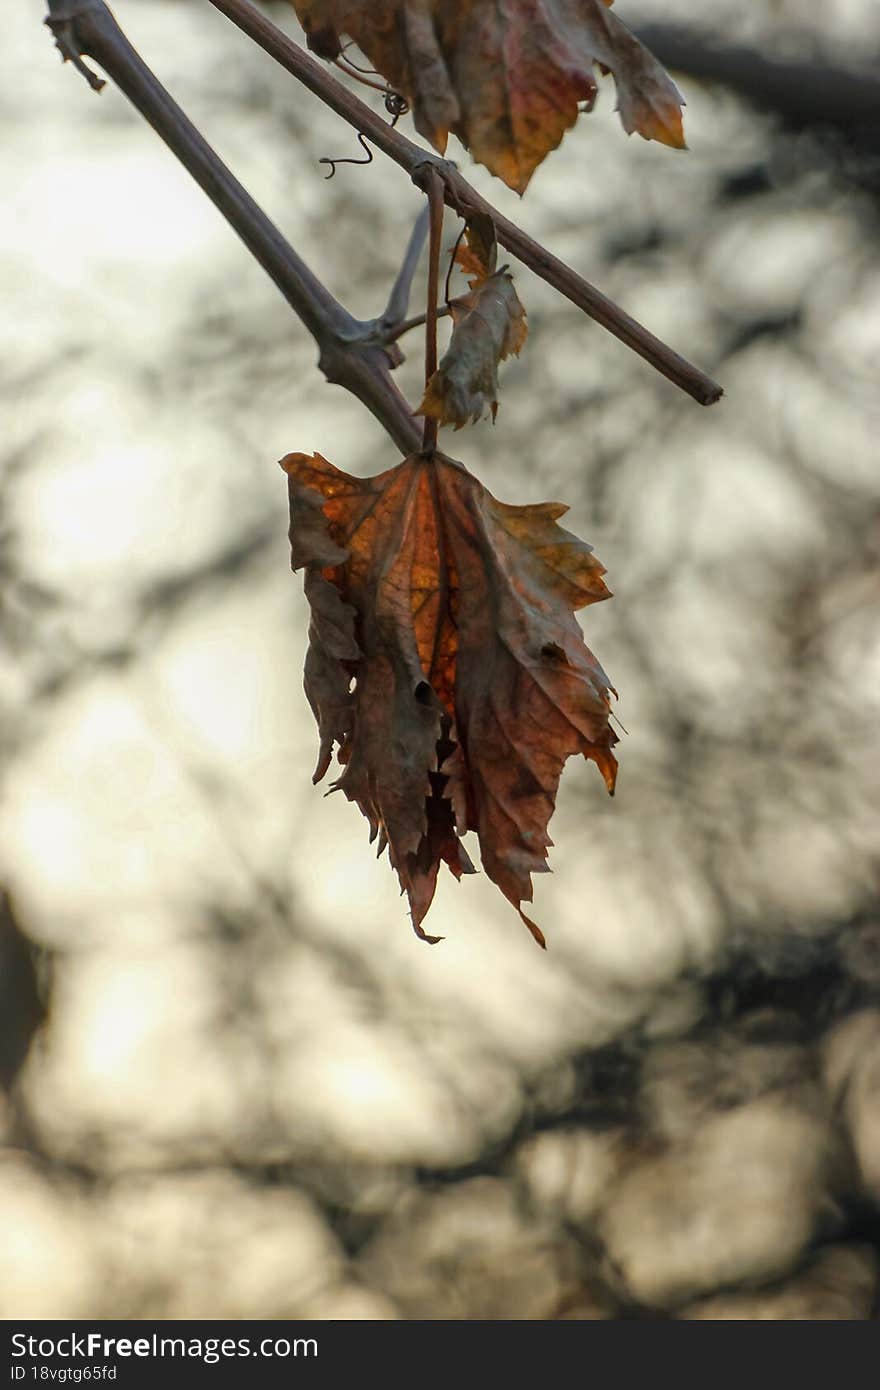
[700,1136]
[21,1004]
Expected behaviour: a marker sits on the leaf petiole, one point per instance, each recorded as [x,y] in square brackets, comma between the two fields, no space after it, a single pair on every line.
[436,204]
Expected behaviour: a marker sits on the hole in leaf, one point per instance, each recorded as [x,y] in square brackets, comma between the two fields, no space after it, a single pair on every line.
[423,693]
[552,652]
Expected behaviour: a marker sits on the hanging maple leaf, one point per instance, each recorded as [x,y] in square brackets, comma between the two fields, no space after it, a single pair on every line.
[489,325]
[507,79]
[446,665]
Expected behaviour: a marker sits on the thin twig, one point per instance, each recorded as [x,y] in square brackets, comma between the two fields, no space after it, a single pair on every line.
[351,353]
[465,200]
[392,335]
[398,300]
[451,266]
[434,189]
[344,66]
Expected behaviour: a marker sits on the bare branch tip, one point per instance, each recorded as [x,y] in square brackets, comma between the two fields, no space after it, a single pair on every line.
[61,20]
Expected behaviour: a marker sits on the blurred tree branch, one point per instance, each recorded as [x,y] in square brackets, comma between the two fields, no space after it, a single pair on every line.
[22,1009]
[803,93]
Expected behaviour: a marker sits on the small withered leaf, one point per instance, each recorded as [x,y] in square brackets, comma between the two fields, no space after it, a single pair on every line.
[446,665]
[478,254]
[489,324]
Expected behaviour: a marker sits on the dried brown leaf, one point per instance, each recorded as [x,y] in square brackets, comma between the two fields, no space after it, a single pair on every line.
[507,79]
[446,665]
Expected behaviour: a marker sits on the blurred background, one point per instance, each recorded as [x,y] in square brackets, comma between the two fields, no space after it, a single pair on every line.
[234,1084]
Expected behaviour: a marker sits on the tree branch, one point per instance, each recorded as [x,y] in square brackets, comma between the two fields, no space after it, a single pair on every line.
[351,353]
[465,201]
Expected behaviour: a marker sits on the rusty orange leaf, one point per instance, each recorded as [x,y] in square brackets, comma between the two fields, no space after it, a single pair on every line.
[446,665]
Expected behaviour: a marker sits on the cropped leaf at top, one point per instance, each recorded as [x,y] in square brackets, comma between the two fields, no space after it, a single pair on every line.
[489,324]
[507,79]
[445,664]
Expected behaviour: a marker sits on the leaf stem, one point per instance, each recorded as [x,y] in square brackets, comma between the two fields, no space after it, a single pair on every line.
[451,265]
[434,190]
[349,71]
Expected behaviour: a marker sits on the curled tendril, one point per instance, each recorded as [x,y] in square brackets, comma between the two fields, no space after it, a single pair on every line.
[396,106]
[333,162]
